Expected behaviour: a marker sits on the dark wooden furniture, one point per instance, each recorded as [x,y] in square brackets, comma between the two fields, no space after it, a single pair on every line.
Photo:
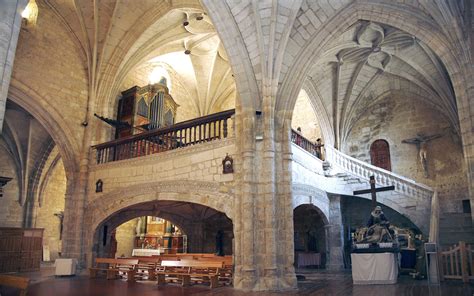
[17,282]
[113,268]
[21,249]
[145,108]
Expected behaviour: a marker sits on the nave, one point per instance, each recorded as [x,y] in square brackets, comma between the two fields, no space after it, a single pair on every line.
[316,282]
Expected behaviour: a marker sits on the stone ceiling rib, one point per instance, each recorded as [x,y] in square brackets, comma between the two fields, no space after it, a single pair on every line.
[367,53]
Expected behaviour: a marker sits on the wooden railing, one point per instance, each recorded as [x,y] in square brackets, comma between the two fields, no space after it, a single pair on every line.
[186,133]
[457,263]
[306,144]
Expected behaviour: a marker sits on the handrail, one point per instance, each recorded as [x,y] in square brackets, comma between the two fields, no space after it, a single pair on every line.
[306,144]
[186,133]
[383,177]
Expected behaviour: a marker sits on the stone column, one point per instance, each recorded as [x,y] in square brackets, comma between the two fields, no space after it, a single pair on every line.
[10,23]
[245,221]
[334,234]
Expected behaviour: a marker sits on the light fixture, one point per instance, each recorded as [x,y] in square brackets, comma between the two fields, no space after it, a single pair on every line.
[30,13]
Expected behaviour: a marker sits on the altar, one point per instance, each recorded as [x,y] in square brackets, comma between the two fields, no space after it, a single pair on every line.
[374,268]
[308,259]
[146,252]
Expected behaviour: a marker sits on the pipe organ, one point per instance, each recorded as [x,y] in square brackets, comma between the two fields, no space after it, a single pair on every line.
[145,108]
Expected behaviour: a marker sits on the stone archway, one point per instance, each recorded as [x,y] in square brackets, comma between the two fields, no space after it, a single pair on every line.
[103,208]
[200,224]
[310,236]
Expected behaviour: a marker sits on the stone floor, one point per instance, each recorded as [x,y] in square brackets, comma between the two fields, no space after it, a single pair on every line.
[316,282]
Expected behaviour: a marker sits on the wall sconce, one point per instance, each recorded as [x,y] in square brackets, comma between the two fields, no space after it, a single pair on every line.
[30,14]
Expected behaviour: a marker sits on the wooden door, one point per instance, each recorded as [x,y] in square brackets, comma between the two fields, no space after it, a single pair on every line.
[380,155]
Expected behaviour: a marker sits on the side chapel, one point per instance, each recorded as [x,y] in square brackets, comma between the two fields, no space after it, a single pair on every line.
[238,129]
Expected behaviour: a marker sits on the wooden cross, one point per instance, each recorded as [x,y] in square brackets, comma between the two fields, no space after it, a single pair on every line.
[373,190]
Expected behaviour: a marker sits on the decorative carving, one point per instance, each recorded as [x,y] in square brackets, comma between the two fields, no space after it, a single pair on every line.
[98,185]
[227,165]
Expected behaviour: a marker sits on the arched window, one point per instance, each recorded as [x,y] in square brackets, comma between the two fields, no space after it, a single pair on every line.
[380,155]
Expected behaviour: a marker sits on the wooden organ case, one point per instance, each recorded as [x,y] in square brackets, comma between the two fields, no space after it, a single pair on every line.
[145,108]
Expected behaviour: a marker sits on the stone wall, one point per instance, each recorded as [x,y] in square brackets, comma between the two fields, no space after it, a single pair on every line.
[398,117]
[52,202]
[202,162]
[304,117]
[50,68]
[125,236]
[11,212]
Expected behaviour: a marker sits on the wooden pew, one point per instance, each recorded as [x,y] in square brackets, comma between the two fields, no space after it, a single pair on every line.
[20,283]
[187,270]
[146,267]
[114,267]
[225,273]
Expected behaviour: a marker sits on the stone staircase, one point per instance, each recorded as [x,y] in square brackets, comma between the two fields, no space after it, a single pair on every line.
[409,197]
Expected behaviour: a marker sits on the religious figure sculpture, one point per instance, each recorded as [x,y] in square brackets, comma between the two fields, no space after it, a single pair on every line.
[421,142]
[378,228]
[138,229]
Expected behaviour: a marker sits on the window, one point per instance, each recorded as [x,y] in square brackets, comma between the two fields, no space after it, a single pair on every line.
[380,155]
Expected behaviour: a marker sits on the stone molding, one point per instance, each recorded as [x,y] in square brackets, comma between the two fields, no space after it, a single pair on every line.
[199,192]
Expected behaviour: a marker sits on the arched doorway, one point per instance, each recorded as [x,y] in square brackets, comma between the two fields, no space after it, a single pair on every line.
[309,236]
[168,226]
[380,155]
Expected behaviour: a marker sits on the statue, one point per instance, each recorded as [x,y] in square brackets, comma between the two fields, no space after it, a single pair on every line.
[138,229]
[377,230]
[421,142]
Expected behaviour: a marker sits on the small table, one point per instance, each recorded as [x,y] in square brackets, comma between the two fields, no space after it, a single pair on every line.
[65,266]
[146,252]
[307,259]
[374,268]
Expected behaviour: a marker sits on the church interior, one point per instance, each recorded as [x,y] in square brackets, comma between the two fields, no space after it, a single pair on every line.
[179,146]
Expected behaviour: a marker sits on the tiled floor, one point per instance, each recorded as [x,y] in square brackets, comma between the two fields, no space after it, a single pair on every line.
[316,283]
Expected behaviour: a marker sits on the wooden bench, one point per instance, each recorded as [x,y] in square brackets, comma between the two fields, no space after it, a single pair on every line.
[17,282]
[187,270]
[114,268]
[146,267]
[225,273]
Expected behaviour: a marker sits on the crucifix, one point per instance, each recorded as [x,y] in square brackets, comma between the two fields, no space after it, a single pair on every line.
[373,190]
[421,143]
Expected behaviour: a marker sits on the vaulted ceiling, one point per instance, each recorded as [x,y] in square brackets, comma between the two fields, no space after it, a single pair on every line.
[116,37]
[368,62]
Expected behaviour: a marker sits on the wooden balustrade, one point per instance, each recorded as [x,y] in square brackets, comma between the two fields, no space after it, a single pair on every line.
[457,263]
[306,144]
[186,133]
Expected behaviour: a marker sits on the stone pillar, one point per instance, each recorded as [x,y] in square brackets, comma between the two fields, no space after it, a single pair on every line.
[245,274]
[10,23]
[334,234]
